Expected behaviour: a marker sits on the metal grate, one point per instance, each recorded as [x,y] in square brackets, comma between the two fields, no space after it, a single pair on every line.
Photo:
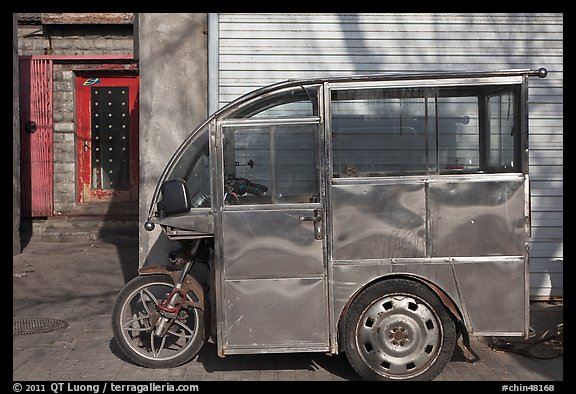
[36,325]
[110,134]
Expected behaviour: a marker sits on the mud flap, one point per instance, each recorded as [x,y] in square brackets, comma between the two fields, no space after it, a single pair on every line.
[451,306]
[190,285]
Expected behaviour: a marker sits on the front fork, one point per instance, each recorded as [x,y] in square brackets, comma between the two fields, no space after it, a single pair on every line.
[170,307]
[169,310]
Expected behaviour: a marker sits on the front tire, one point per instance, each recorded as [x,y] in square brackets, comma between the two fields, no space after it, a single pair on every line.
[134,319]
[398,329]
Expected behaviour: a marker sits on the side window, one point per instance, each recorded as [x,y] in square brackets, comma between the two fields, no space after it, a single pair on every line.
[380,132]
[458,132]
[271,164]
[273,158]
[377,132]
[501,132]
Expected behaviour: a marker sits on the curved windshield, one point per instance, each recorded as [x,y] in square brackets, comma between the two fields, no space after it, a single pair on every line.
[292,103]
[193,166]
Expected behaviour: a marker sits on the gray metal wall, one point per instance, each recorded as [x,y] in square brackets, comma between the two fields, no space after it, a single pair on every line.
[172,54]
[257,49]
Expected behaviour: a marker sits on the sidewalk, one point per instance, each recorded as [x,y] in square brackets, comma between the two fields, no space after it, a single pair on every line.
[77,283]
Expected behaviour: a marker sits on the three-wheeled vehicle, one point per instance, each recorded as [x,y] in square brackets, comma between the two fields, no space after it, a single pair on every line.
[383,216]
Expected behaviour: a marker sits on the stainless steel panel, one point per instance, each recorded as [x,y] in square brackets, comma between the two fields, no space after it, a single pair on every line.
[350,278]
[269,244]
[200,220]
[477,218]
[378,221]
[495,296]
[271,314]
[489,293]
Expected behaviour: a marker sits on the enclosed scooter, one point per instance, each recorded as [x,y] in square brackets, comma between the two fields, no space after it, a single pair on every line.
[382,216]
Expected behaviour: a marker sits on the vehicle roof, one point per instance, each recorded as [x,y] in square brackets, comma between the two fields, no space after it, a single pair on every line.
[388,76]
[383,76]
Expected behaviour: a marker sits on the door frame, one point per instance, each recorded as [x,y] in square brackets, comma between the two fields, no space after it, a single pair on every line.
[85,193]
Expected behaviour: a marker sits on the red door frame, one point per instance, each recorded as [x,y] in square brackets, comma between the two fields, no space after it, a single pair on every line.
[83,140]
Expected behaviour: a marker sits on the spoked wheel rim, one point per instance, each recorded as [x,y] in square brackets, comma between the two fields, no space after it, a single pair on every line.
[139,315]
[399,336]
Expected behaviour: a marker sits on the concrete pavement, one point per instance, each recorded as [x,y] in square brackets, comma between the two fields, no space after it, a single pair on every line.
[77,283]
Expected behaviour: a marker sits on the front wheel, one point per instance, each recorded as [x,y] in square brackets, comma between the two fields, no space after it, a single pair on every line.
[398,329]
[136,315]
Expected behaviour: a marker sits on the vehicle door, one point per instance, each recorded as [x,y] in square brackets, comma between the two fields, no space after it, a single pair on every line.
[273,243]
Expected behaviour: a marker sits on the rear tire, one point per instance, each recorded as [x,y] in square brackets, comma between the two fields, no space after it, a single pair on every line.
[398,329]
[134,318]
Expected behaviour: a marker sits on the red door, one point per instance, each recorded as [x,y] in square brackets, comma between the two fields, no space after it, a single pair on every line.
[36,162]
[107,143]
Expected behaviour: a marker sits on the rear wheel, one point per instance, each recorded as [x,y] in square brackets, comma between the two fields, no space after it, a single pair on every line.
[398,329]
[136,315]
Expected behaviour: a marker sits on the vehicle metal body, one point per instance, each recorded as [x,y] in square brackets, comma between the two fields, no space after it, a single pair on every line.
[375,215]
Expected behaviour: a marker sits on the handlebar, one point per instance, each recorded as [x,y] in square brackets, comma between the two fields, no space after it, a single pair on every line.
[241,186]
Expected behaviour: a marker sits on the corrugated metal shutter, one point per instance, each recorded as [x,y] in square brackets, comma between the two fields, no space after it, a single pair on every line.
[258,49]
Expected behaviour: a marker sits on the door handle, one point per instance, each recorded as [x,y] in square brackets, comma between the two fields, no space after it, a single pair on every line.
[318,223]
[86,146]
[310,218]
[30,127]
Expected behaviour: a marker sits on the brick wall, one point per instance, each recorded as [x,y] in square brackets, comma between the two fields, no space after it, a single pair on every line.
[75,39]
[64,140]
[70,40]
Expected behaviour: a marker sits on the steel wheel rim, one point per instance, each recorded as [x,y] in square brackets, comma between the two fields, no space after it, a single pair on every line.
[136,318]
[399,336]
